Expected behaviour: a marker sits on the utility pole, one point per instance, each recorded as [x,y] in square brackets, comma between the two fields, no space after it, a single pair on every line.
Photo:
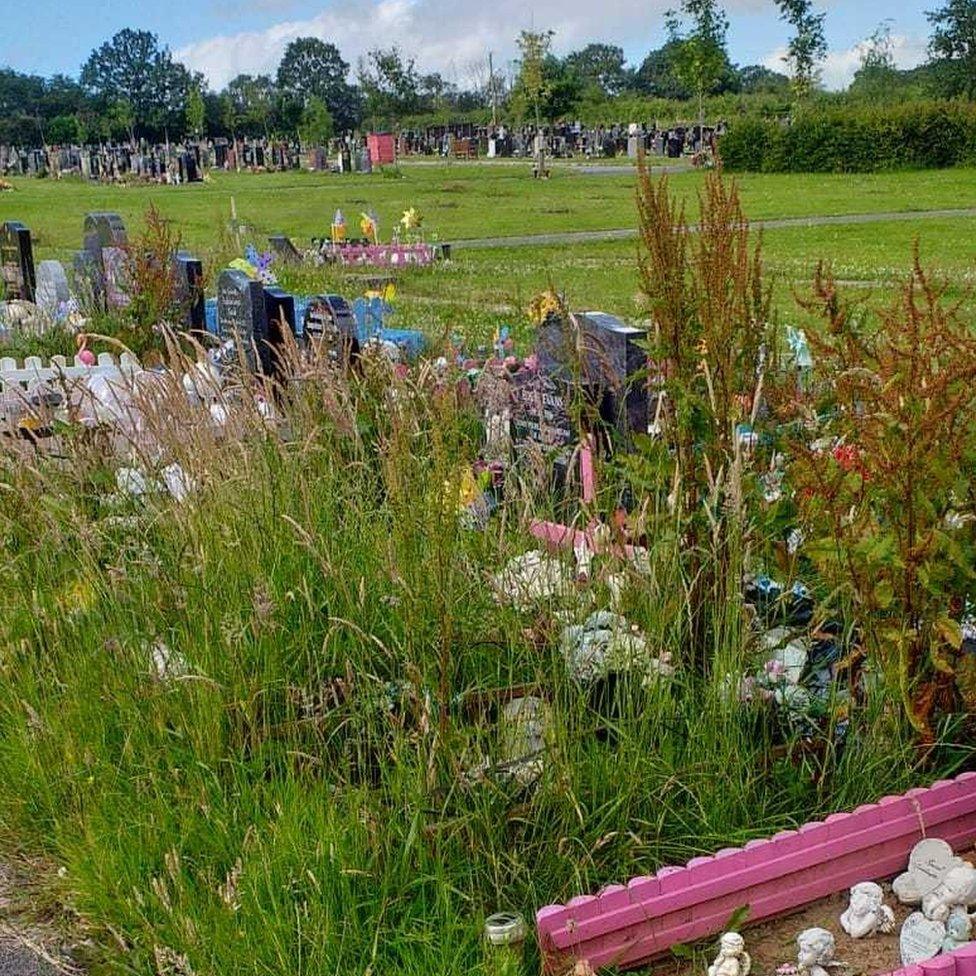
[494,95]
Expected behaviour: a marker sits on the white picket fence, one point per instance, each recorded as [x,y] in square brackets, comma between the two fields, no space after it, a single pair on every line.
[67,376]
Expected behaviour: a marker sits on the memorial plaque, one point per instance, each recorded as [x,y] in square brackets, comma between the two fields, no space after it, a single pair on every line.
[241,316]
[282,247]
[52,286]
[189,289]
[330,330]
[16,262]
[540,412]
[281,330]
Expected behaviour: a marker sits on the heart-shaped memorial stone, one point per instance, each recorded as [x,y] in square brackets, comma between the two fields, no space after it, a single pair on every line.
[931,859]
[920,939]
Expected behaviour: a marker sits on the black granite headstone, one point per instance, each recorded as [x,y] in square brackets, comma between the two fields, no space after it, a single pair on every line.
[241,316]
[16,261]
[189,290]
[330,331]
[605,358]
[280,315]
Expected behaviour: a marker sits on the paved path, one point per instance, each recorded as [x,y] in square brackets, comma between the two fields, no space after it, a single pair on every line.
[627,233]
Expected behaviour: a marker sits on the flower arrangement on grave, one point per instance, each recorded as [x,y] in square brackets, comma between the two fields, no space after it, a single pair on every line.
[256,266]
[547,304]
[369,227]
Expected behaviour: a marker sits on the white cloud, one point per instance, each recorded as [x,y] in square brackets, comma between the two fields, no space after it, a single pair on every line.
[839,66]
[443,35]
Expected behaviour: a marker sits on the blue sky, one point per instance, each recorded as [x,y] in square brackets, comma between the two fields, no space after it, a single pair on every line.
[222,37]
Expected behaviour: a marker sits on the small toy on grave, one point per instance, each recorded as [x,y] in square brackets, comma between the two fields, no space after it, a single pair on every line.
[732,958]
[867,913]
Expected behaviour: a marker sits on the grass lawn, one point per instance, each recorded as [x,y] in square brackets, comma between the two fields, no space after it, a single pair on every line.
[458,200]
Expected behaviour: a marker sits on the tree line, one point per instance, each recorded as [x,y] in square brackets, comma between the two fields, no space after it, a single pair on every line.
[132,87]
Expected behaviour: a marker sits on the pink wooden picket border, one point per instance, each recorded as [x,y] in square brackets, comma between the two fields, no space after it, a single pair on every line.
[626,925]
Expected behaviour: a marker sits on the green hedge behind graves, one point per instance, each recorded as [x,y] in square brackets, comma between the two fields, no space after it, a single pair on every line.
[854,139]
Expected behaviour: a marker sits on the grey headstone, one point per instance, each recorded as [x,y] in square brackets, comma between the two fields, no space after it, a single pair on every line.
[282,247]
[16,261]
[52,286]
[241,315]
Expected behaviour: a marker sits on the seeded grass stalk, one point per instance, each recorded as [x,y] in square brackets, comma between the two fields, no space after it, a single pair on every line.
[292,795]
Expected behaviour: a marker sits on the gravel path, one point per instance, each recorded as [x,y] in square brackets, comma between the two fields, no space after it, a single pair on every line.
[627,233]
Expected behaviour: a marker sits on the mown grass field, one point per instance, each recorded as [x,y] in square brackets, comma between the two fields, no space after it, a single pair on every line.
[295,791]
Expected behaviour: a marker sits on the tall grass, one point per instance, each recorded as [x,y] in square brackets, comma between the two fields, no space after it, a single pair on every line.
[293,795]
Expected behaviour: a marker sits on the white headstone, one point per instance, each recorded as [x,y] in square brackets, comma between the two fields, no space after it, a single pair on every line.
[920,939]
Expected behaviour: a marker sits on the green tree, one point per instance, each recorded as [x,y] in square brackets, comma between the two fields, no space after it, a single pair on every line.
[316,127]
[877,78]
[311,66]
[534,85]
[953,43]
[758,79]
[63,130]
[700,55]
[196,111]
[390,84]
[807,47]
[600,66]
[134,68]
[252,103]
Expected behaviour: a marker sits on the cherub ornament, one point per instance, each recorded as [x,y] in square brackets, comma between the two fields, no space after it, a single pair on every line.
[815,952]
[867,913]
[953,892]
[959,930]
[732,958]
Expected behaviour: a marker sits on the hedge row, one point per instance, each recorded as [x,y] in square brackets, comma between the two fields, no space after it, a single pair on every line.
[854,139]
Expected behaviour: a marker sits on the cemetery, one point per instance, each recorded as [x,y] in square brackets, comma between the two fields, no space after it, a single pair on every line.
[415,565]
[572,615]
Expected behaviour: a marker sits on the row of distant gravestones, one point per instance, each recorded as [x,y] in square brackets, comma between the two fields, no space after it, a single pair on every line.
[591,356]
[251,315]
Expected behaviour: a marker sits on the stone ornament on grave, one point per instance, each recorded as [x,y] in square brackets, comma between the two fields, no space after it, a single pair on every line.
[930,861]
[241,315]
[16,262]
[920,939]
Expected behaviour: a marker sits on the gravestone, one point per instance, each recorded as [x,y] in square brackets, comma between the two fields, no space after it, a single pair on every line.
[189,289]
[16,262]
[52,286]
[604,357]
[280,317]
[282,247]
[330,330]
[241,315]
[104,242]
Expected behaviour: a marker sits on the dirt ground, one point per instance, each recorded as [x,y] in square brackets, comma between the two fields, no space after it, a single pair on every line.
[773,943]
